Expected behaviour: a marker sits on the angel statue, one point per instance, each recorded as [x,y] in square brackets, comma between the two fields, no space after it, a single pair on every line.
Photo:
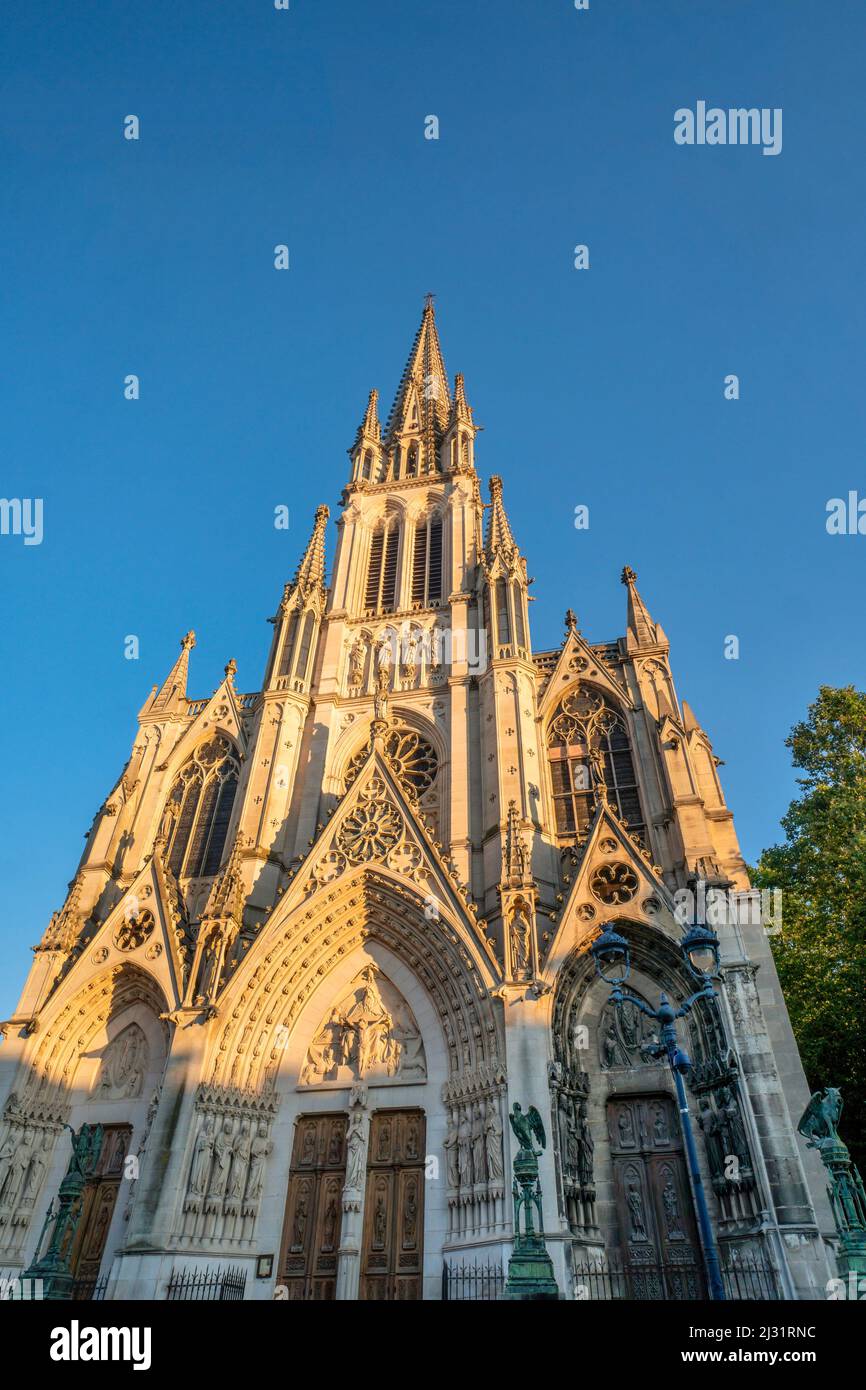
[530,1269]
[527,1127]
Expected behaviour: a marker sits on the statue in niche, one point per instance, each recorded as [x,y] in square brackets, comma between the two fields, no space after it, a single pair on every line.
[17,1162]
[240,1162]
[36,1170]
[733,1129]
[635,1208]
[521,943]
[7,1154]
[493,1142]
[478,1147]
[566,1128]
[410,659]
[585,1148]
[356,662]
[260,1148]
[709,1123]
[450,1146]
[464,1149]
[123,1066]
[201,1160]
[222,1160]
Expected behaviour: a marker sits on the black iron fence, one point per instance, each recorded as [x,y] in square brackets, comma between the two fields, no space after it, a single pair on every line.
[469,1283]
[748,1276]
[207,1285]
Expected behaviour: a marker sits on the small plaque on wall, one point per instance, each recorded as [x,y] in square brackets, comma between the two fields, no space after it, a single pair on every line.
[264,1266]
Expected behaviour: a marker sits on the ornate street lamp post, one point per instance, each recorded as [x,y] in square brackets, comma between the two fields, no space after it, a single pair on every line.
[700,947]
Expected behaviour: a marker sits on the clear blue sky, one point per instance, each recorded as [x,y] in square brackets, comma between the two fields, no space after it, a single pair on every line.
[601,387]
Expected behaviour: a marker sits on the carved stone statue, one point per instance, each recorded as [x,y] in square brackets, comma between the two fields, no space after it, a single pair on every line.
[521,943]
[240,1162]
[222,1160]
[356,1154]
[585,1148]
[450,1145]
[356,662]
[493,1142]
[260,1148]
[201,1160]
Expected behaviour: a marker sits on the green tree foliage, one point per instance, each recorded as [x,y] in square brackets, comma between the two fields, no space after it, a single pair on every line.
[821,868]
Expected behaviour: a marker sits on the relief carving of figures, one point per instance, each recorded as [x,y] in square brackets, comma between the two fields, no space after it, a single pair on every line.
[410,1217]
[636,1216]
[370,1033]
[621,1033]
[123,1066]
[227,1166]
[671,1204]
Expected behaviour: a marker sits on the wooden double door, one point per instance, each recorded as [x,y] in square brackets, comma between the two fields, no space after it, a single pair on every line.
[393,1241]
[655,1214]
[98,1201]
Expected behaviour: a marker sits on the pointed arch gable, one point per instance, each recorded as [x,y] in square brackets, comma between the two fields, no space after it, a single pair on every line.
[68,1027]
[262,1010]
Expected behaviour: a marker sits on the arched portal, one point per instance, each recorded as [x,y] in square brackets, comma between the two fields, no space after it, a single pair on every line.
[362,1017]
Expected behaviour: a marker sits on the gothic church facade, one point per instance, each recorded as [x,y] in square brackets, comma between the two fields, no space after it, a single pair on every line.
[323,935]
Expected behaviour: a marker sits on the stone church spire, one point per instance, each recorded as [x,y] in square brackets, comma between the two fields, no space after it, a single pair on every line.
[310,573]
[499,540]
[173,689]
[641,631]
[420,414]
[366,452]
[300,612]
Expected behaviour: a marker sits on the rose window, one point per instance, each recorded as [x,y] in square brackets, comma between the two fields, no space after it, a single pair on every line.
[614,884]
[412,758]
[370,831]
[134,931]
